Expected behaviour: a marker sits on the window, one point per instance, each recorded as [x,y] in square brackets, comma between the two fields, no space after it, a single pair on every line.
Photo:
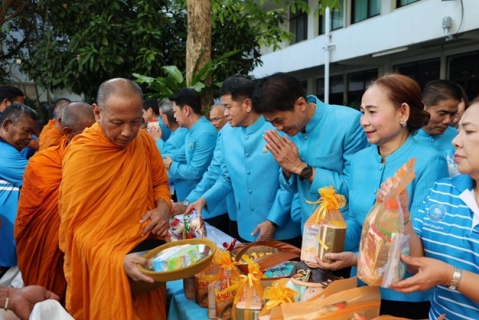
[365,9]
[464,70]
[421,71]
[402,3]
[357,83]
[298,25]
[337,19]
[336,90]
[304,84]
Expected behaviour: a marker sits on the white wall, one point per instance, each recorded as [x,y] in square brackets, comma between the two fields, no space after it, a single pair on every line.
[412,24]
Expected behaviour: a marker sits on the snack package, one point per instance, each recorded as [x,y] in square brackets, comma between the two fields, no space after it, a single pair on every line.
[177,230]
[194,225]
[325,230]
[176,257]
[224,299]
[382,237]
[202,281]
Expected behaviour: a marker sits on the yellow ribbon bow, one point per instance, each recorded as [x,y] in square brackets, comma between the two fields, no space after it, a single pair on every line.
[277,294]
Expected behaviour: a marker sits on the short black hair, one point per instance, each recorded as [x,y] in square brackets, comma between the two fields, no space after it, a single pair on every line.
[438,90]
[238,87]
[277,92]
[10,93]
[187,97]
[16,111]
[153,104]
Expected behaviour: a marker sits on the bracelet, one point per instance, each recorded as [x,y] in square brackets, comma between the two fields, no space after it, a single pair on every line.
[7,299]
[407,221]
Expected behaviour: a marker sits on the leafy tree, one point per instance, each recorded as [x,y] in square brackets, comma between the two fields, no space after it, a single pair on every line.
[78,44]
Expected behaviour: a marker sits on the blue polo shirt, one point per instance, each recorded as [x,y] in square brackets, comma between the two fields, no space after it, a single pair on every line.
[448,225]
[12,167]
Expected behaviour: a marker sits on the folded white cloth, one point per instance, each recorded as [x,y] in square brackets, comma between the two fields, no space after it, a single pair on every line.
[49,310]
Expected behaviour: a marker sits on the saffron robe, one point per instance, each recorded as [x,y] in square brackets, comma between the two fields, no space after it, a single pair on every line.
[50,135]
[105,190]
[36,227]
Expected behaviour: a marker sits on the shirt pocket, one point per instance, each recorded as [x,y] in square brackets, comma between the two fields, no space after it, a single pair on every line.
[333,162]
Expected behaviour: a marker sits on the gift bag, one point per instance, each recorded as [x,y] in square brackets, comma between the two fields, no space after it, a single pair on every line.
[277,294]
[249,299]
[382,237]
[325,230]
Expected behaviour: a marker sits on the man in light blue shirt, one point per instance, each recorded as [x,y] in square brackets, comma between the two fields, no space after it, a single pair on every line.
[441,100]
[17,124]
[324,138]
[263,207]
[187,165]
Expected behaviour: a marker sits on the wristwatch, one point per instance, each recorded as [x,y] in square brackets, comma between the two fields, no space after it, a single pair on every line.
[306,173]
[185,203]
[456,278]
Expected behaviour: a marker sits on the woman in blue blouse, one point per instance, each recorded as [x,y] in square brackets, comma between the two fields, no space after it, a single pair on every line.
[392,111]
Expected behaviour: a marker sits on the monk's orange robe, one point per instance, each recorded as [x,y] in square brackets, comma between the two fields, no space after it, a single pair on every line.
[104,192]
[37,224]
[50,135]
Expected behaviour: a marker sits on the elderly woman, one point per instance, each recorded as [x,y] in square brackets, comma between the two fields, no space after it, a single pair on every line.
[392,112]
[445,239]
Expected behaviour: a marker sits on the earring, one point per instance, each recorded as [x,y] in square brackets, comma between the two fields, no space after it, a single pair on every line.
[403,123]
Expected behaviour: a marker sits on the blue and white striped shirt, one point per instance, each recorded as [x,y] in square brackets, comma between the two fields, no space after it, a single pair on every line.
[449,233]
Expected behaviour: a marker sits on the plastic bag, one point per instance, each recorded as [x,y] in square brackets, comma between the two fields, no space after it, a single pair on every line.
[340,306]
[382,237]
[325,230]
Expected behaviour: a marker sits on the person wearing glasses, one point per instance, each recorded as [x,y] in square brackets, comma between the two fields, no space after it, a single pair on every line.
[217,116]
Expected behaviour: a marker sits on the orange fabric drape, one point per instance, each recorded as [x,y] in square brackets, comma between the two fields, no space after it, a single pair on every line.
[105,190]
[36,227]
[50,135]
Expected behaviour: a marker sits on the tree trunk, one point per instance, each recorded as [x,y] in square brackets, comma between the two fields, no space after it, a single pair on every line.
[198,41]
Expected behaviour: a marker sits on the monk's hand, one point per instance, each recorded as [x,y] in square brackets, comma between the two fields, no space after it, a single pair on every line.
[178,208]
[198,206]
[159,221]
[167,162]
[23,300]
[266,231]
[284,152]
[340,261]
[130,264]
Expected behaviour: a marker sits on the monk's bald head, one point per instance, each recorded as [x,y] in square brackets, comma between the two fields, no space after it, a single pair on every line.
[119,88]
[76,116]
[119,110]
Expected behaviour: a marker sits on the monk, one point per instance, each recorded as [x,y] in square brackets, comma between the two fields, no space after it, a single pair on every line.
[113,195]
[52,133]
[36,227]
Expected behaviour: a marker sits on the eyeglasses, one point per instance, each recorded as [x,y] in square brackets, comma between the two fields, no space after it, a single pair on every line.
[217,119]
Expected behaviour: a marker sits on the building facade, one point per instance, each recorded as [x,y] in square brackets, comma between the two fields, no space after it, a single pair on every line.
[423,39]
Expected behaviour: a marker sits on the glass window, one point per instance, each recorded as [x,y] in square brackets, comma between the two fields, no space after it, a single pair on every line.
[337,19]
[357,84]
[298,25]
[402,3]
[421,71]
[365,9]
[336,90]
[464,70]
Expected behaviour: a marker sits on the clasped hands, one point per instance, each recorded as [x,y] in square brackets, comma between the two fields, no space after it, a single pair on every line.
[284,151]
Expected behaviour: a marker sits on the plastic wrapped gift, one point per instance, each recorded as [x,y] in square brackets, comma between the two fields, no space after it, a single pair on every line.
[382,237]
[325,230]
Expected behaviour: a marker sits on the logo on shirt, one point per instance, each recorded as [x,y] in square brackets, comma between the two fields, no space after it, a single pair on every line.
[436,213]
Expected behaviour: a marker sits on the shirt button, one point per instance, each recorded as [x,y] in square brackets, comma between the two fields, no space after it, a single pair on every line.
[252,209]
[249,191]
[248,172]
[246,154]
[375,190]
[306,137]
[246,137]
[379,166]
